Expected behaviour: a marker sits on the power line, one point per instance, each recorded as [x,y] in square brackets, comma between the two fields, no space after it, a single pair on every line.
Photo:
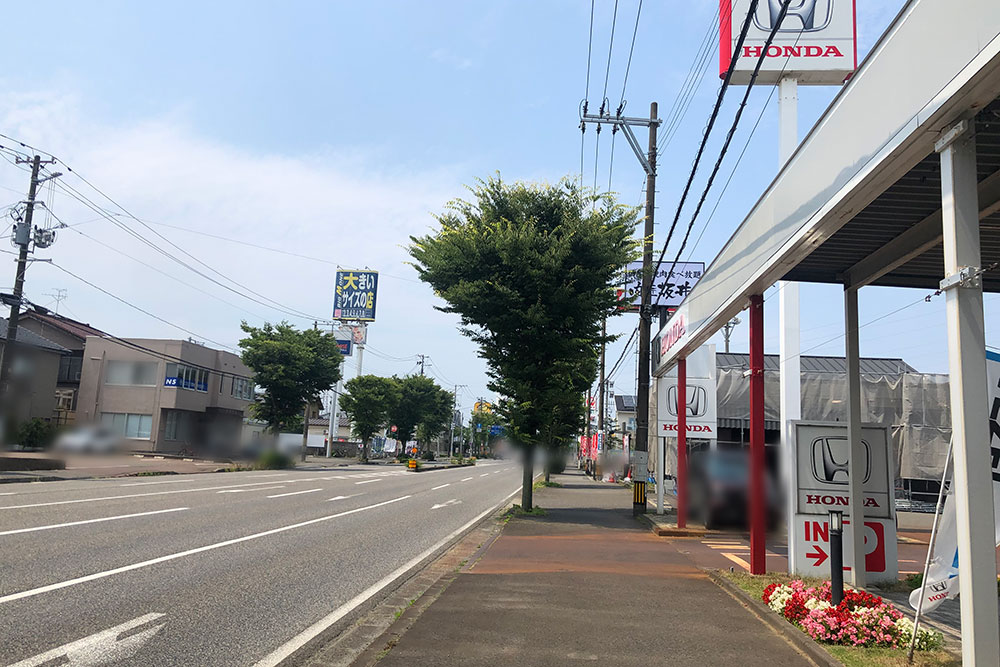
[141,310]
[628,66]
[729,139]
[611,44]
[708,129]
[692,81]
[590,49]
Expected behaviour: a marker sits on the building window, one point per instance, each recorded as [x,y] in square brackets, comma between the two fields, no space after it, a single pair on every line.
[129,425]
[177,425]
[242,389]
[186,377]
[131,373]
[70,368]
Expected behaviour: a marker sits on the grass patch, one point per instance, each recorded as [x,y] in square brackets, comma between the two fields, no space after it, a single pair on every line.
[152,473]
[541,484]
[517,510]
[853,656]
[236,469]
[755,585]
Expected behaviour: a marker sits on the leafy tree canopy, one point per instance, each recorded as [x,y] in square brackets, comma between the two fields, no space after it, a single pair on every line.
[531,271]
[368,401]
[421,403]
[291,366]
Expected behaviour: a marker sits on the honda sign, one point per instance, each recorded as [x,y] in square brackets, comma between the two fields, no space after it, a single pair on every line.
[701,397]
[815,43]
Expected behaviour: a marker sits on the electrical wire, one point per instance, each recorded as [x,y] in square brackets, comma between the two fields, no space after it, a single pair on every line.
[708,130]
[590,49]
[628,66]
[725,146]
[692,82]
[611,45]
[138,308]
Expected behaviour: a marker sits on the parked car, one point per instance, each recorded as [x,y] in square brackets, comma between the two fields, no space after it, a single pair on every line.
[718,489]
[93,439]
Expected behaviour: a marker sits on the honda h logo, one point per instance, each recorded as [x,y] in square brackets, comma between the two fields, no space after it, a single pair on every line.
[697,400]
[831,458]
[802,15]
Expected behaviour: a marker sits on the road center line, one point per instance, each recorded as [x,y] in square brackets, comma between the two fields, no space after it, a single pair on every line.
[368,481]
[440,487]
[190,552]
[484,474]
[465,480]
[263,488]
[294,493]
[80,523]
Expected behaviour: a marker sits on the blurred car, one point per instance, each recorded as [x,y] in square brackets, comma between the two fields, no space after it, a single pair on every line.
[95,439]
[718,484]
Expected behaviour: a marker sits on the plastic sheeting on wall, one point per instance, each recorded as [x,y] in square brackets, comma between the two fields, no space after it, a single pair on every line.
[916,406]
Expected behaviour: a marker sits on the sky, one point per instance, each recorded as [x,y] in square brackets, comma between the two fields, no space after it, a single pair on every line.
[330,132]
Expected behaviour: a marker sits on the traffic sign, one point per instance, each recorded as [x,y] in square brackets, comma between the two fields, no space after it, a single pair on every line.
[812,535]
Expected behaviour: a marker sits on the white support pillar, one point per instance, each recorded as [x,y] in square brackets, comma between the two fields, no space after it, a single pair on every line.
[972,479]
[660,448]
[790,390]
[856,456]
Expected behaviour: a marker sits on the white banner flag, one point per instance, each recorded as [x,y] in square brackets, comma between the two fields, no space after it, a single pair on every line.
[942,577]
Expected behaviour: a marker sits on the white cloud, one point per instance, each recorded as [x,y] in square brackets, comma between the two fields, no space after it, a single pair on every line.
[341,207]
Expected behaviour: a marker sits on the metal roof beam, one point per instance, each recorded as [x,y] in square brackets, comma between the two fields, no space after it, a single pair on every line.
[916,240]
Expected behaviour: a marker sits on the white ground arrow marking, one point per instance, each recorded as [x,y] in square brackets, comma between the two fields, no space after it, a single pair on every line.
[294,493]
[101,648]
[453,501]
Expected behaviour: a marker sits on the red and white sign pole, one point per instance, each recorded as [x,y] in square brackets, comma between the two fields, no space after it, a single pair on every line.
[682,499]
[758,524]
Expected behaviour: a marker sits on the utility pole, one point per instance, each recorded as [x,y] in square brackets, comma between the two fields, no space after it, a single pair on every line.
[727,330]
[602,437]
[648,162]
[588,440]
[22,238]
[451,432]
[423,358]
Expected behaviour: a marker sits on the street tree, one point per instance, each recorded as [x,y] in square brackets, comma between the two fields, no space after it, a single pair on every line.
[420,402]
[437,417]
[368,400]
[531,270]
[291,366]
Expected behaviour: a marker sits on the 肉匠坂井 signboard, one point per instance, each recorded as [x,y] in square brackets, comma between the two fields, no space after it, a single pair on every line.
[671,283]
[355,295]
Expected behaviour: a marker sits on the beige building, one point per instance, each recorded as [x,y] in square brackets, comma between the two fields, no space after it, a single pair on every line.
[165,395]
[33,374]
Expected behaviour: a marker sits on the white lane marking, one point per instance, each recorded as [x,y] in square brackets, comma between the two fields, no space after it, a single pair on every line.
[100,648]
[368,481]
[277,656]
[453,501]
[189,552]
[270,474]
[465,480]
[497,472]
[80,523]
[484,474]
[123,465]
[166,481]
[344,497]
[263,488]
[440,487]
[8,493]
[151,493]
[294,493]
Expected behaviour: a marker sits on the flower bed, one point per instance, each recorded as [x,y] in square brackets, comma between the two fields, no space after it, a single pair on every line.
[861,619]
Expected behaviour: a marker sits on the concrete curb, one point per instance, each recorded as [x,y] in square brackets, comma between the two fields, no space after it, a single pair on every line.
[671,529]
[778,624]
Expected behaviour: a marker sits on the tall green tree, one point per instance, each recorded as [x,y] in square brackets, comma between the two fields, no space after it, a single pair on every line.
[368,401]
[420,402]
[437,417]
[291,366]
[531,269]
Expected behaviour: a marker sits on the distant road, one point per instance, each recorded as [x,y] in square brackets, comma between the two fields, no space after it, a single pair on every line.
[219,569]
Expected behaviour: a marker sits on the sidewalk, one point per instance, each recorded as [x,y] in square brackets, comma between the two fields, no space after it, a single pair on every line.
[586,582]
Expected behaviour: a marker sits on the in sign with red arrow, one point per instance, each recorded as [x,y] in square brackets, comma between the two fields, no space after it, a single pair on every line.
[818,555]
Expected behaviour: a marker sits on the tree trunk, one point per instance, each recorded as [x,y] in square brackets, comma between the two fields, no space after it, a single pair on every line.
[547,475]
[364,451]
[528,477]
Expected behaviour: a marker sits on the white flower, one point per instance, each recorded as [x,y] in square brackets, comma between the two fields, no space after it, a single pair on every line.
[779,597]
[816,603]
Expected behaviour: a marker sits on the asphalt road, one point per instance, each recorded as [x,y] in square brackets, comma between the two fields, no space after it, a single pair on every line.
[222,569]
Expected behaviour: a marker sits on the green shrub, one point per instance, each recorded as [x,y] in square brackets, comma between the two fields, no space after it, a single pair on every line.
[36,434]
[273,460]
[427,456]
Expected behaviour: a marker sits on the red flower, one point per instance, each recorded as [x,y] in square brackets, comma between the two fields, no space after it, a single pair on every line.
[795,608]
[766,597]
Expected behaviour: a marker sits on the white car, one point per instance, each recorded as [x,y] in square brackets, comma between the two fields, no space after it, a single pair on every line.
[94,439]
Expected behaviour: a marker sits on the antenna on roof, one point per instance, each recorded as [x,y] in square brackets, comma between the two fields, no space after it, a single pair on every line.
[59,297]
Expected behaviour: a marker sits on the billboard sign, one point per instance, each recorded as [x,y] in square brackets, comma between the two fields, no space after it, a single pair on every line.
[345,346]
[701,397]
[671,284]
[822,454]
[355,295]
[816,43]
